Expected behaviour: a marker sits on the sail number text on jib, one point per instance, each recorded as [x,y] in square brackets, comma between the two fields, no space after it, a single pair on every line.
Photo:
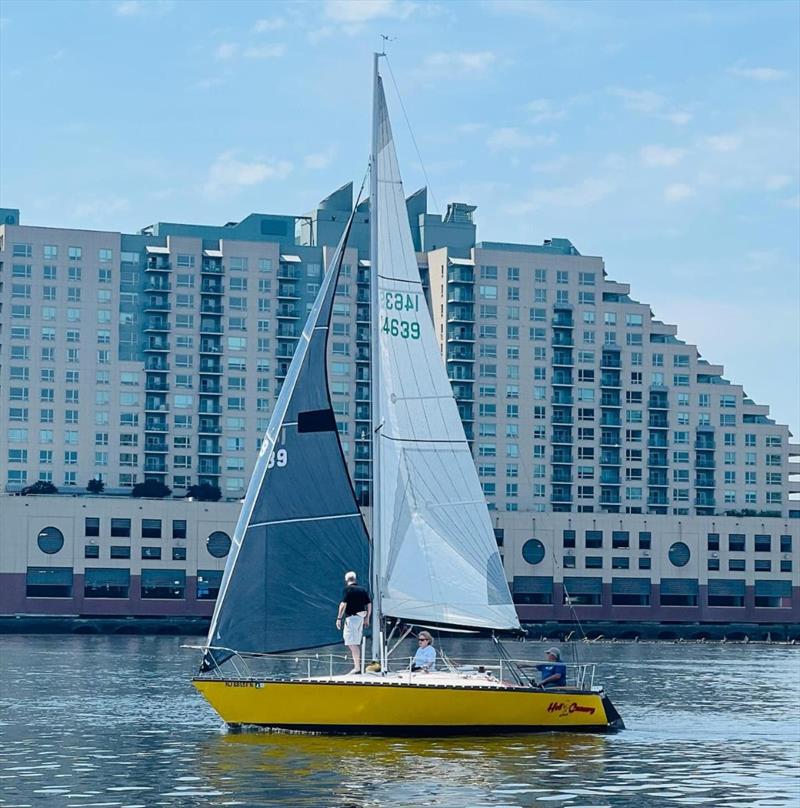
[397,326]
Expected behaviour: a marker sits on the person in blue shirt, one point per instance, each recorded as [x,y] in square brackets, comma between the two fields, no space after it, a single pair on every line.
[554,673]
[425,658]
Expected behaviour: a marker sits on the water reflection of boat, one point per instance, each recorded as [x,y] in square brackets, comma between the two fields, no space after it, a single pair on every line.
[433,558]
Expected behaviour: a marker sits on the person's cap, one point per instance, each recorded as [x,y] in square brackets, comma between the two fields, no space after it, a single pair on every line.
[555,652]
[350,576]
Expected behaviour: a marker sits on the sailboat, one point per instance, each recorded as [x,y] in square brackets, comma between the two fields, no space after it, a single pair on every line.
[431,556]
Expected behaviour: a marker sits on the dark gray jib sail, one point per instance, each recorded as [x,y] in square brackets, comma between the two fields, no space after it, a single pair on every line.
[300,528]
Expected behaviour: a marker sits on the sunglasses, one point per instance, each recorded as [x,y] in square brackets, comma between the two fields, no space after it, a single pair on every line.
[422,640]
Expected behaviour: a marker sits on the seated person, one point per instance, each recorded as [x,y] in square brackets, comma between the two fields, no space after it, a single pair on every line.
[554,674]
[425,658]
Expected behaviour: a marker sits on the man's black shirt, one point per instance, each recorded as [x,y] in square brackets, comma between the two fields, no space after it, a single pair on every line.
[356,599]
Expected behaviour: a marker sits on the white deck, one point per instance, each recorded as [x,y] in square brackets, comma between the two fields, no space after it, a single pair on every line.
[420,679]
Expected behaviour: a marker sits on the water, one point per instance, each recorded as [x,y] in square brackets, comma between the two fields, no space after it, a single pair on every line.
[114,721]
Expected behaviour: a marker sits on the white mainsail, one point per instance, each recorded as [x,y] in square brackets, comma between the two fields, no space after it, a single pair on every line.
[438,559]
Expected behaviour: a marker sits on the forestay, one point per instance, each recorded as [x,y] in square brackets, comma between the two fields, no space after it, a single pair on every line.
[439,561]
[300,527]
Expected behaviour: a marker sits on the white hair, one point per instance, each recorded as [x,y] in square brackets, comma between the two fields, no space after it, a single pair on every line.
[350,577]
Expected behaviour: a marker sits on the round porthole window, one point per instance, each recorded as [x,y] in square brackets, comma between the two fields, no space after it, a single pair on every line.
[50,540]
[533,551]
[218,544]
[679,554]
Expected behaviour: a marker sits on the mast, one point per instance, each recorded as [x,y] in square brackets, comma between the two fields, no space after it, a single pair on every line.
[374,366]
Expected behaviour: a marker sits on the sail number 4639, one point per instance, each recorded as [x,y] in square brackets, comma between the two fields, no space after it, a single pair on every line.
[400,303]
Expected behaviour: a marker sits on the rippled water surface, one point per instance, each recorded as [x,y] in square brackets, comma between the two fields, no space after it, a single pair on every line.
[114,721]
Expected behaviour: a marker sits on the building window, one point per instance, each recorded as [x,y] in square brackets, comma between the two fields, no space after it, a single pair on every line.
[151,528]
[218,544]
[91,551]
[151,553]
[120,528]
[736,542]
[179,554]
[208,583]
[163,584]
[106,583]
[679,554]
[120,551]
[533,551]
[594,539]
[50,540]
[48,582]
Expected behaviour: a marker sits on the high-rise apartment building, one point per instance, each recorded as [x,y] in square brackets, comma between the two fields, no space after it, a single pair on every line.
[159,356]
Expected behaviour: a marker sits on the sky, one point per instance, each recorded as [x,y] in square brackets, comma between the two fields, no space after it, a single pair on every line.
[663,136]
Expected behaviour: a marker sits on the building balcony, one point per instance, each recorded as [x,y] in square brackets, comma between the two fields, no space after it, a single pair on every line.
[204,467]
[460,354]
[562,358]
[461,275]
[658,440]
[705,445]
[561,458]
[210,347]
[705,502]
[658,402]
[362,355]
[462,392]
[288,312]
[657,460]
[658,480]
[209,447]
[156,385]
[158,265]
[362,314]
[209,389]
[210,367]
[561,399]
[610,478]
[460,335]
[610,419]
[155,466]
[157,285]
[160,447]
[211,327]
[288,330]
[705,481]
[657,499]
[460,296]
[156,406]
[210,407]
[288,291]
[156,324]
[610,438]
[562,340]
[562,436]
[610,380]
[212,287]
[155,425]
[156,364]
[610,361]
[657,423]
[561,475]
[281,370]
[209,428]
[157,345]
[211,306]
[460,314]
[562,379]
[610,401]
[211,266]
[610,459]
[154,304]
[285,350]
[560,321]
[288,272]
[610,499]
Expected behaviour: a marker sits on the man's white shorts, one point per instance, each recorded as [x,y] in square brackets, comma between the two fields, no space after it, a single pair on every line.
[353,628]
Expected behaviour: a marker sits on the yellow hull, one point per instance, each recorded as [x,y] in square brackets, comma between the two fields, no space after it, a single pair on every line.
[402,709]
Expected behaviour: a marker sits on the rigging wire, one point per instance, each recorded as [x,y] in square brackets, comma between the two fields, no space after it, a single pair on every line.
[411,131]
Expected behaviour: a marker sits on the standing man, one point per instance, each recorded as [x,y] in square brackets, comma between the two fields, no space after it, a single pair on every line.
[355,609]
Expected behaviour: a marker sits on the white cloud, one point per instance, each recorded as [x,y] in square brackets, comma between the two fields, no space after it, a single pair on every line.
[470,128]
[318,34]
[228,174]
[649,102]
[358,12]
[543,109]
[226,50]
[466,61]
[777,181]
[661,155]
[639,100]
[143,8]
[510,137]
[231,50]
[319,160]
[92,210]
[677,192]
[724,143]
[586,193]
[269,24]
[759,73]
[274,51]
